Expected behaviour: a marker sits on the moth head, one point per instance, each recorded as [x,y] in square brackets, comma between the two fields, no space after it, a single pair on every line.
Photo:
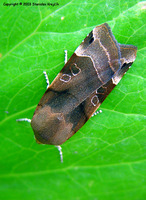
[50,127]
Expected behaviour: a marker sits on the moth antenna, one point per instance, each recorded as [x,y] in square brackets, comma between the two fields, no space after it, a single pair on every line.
[65,59]
[23,119]
[97,112]
[47,79]
[60,152]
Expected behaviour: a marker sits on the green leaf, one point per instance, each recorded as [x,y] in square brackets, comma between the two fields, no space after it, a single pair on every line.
[105,159]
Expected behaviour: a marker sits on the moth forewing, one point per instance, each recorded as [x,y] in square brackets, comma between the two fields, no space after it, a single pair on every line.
[91,73]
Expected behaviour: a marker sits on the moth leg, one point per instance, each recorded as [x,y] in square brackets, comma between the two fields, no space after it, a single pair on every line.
[47,79]
[65,59]
[23,119]
[97,112]
[60,152]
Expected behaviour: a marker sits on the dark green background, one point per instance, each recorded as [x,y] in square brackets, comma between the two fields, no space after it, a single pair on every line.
[104,160]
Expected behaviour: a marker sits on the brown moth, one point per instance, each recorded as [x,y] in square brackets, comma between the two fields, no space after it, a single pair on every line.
[91,73]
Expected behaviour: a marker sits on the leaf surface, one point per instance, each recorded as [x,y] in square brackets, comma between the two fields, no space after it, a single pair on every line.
[105,159]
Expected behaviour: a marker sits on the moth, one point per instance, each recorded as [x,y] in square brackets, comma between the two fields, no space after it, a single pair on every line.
[95,68]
